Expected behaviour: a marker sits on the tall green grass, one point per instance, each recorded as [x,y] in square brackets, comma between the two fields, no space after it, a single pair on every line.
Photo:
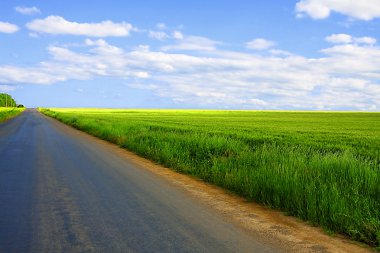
[321,167]
[7,113]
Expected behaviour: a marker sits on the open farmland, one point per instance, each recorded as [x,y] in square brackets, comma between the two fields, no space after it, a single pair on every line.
[323,167]
[6,113]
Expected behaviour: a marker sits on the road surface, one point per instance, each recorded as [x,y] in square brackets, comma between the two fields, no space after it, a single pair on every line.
[62,192]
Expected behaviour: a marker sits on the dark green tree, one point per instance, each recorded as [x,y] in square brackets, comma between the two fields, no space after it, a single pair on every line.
[7,100]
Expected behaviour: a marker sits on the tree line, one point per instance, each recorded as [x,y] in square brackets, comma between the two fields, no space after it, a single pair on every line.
[7,100]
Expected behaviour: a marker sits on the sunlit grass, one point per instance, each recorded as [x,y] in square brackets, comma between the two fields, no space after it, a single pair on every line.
[319,166]
[9,112]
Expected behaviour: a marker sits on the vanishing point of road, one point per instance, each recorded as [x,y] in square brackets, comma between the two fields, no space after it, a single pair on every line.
[62,192]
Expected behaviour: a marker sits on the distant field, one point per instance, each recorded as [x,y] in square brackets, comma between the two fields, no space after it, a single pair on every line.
[7,113]
[322,167]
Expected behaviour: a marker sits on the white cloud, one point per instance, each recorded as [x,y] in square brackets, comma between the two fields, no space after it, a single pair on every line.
[339,38]
[161,26]
[159,35]
[6,88]
[279,52]
[6,27]
[321,9]
[27,10]
[37,75]
[99,42]
[366,40]
[192,43]
[345,77]
[177,35]
[58,25]
[348,39]
[33,35]
[259,44]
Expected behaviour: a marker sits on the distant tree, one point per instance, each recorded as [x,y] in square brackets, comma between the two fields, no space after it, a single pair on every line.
[7,100]
[20,106]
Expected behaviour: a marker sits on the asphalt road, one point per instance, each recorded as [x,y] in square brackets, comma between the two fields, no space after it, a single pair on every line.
[60,192]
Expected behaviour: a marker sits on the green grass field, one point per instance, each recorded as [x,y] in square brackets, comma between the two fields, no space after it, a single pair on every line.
[7,113]
[323,167]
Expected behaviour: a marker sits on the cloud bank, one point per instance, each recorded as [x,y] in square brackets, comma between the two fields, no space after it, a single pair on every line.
[345,77]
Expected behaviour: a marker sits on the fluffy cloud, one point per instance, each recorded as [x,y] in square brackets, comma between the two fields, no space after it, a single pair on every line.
[192,43]
[177,35]
[27,10]
[6,88]
[345,77]
[58,25]
[37,75]
[259,44]
[8,27]
[347,39]
[339,38]
[161,26]
[321,9]
[366,40]
[159,35]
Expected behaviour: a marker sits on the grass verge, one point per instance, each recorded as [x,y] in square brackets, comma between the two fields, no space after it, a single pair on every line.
[7,113]
[321,167]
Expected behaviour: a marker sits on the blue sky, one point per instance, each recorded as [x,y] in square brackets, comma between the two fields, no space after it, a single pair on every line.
[309,54]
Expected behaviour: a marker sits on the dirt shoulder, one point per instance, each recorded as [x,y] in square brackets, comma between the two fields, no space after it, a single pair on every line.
[293,234]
